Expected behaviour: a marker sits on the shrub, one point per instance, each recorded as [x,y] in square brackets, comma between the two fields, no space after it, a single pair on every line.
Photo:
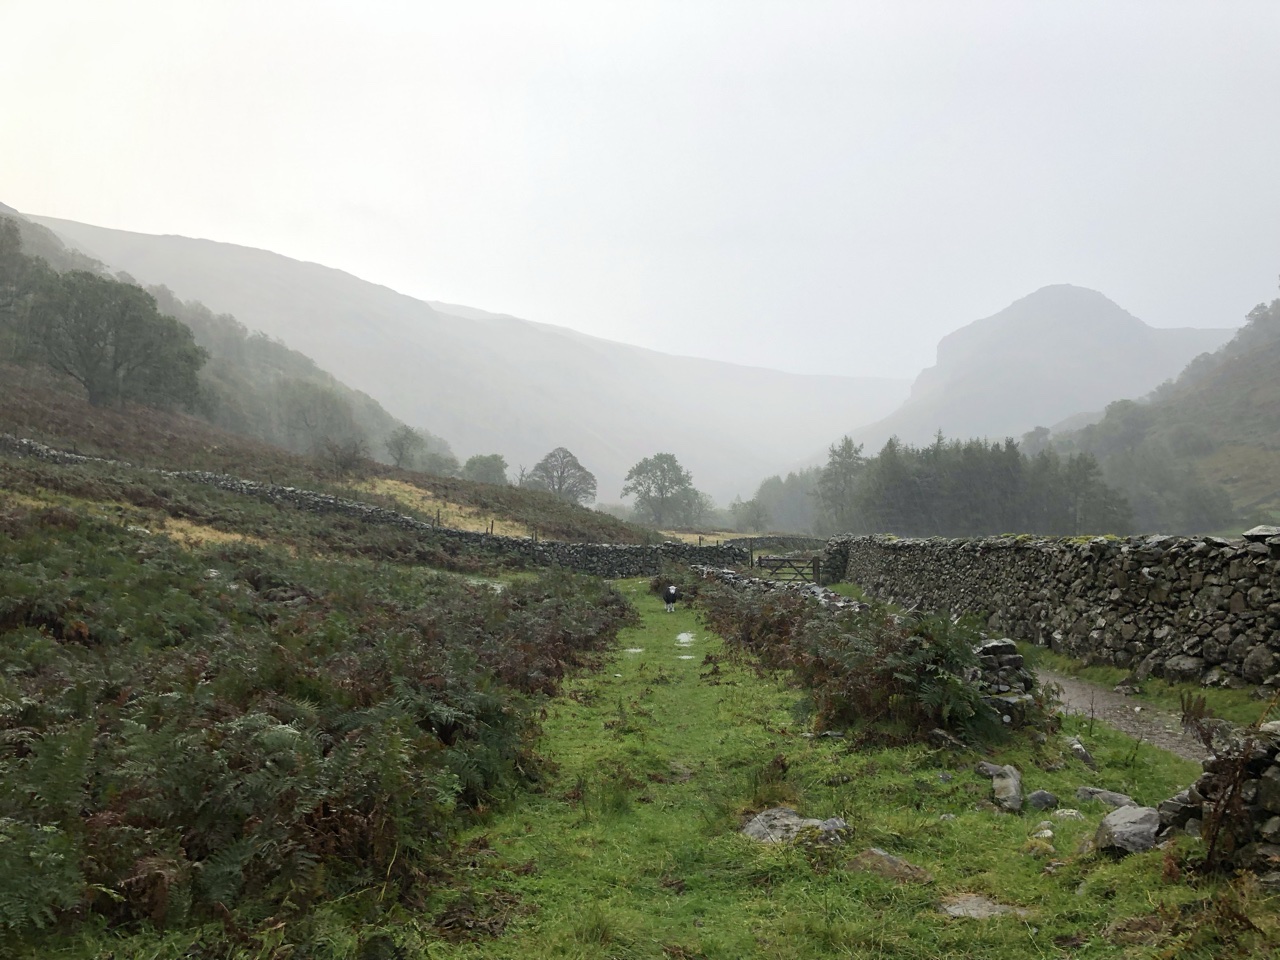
[187,732]
[867,667]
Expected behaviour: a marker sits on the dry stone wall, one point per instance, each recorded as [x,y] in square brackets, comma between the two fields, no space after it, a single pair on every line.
[1204,609]
[602,559]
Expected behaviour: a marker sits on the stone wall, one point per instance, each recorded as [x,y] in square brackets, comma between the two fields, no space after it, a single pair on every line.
[1202,609]
[602,559]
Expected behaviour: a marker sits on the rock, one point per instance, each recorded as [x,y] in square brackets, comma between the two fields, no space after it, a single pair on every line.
[1109,797]
[1176,811]
[1066,813]
[1080,753]
[1183,669]
[1270,829]
[1128,830]
[875,860]
[1268,796]
[1042,800]
[833,828]
[1259,856]
[1259,664]
[942,740]
[998,648]
[1012,707]
[781,824]
[1006,786]
[1261,533]
[978,907]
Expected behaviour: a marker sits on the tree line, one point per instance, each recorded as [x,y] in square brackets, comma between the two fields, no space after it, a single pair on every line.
[957,488]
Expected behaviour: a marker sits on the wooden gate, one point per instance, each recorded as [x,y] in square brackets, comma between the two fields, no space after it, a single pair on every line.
[790,568]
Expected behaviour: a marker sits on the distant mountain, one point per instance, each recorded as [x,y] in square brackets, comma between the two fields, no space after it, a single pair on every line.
[1042,359]
[494,383]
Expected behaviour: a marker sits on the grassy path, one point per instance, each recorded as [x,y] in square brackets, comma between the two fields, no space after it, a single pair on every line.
[632,848]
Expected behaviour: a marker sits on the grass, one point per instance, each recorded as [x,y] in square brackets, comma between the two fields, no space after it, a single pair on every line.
[632,849]
[630,846]
[850,590]
[39,406]
[457,516]
[1238,706]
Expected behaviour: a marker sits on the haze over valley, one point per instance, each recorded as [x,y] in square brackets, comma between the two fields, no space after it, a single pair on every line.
[490,383]
[725,479]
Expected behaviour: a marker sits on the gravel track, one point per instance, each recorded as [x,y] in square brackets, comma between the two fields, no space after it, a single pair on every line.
[1125,713]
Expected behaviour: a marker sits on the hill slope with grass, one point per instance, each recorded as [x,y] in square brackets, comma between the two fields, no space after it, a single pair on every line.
[36,405]
[249,383]
[1208,443]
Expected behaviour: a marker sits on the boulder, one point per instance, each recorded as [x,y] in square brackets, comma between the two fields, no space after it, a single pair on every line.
[978,907]
[1176,811]
[1042,800]
[1081,753]
[942,740]
[875,860]
[782,825]
[1108,797]
[1006,785]
[998,648]
[1128,830]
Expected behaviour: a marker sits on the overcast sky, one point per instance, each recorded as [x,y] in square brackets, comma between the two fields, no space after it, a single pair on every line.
[819,187]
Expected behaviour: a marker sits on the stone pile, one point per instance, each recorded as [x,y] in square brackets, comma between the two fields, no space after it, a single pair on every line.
[1245,766]
[742,581]
[1202,608]
[1004,679]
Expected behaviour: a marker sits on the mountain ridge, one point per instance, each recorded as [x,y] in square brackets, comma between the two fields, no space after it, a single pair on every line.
[1044,358]
[494,383]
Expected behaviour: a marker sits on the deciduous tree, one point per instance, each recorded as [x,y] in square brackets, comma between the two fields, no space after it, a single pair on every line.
[109,337]
[486,468]
[404,444]
[560,473]
[749,516]
[661,488]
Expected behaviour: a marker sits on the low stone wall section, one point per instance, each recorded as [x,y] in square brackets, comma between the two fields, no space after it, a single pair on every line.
[1204,609]
[601,559]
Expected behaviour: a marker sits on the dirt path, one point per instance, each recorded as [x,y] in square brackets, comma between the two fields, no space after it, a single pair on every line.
[1125,713]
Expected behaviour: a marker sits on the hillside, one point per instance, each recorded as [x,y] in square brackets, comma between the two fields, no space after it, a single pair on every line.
[39,406]
[1046,357]
[494,383]
[250,384]
[1209,437]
